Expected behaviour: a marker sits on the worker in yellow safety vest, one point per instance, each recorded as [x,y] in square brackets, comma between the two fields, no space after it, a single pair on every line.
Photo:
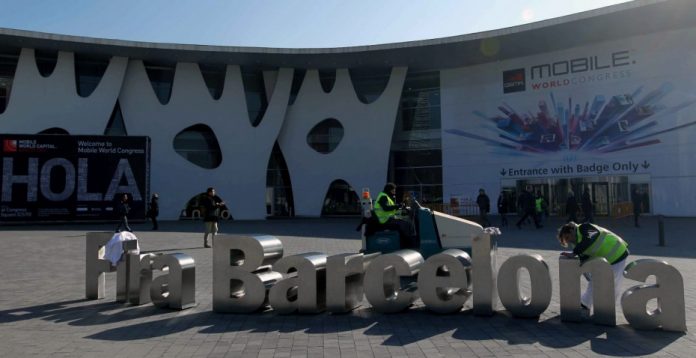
[590,241]
[386,209]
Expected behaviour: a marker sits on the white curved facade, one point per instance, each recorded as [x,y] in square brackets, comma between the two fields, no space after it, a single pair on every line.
[362,158]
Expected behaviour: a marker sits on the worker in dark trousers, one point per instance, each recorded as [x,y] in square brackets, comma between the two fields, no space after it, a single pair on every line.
[526,203]
[122,210]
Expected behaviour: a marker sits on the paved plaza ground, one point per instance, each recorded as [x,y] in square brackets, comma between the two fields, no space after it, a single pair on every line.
[43,311]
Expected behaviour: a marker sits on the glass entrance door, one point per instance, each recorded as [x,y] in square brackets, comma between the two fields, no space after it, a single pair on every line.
[600,198]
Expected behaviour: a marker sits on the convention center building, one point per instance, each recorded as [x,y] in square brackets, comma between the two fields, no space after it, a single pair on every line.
[602,101]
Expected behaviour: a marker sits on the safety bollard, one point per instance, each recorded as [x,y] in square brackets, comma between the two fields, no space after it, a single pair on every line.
[661,230]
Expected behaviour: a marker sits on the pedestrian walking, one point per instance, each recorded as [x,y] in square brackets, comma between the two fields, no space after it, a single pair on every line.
[572,207]
[587,206]
[153,211]
[211,205]
[122,210]
[503,208]
[484,204]
[526,203]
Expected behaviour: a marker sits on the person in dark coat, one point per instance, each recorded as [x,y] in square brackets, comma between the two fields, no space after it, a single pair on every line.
[572,207]
[484,204]
[637,200]
[526,203]
[211,205]
[122,210]
[503,208]
[153,212]
[587,206]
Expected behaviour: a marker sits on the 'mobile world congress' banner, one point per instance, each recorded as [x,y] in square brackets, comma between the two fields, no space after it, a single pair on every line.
[63,177]
[617,108]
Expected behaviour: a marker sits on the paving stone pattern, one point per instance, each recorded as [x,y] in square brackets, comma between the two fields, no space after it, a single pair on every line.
[43,312]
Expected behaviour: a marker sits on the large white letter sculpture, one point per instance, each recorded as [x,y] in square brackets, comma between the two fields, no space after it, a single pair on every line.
[668,290]
[242,273]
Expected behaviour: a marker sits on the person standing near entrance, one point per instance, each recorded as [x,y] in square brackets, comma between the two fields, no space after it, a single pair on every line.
[539,206]
[484,204]
[503,208]
[153,212]
[590,241]
[572,207]
[211,205]
[587,206]
[637,200]
[122,210]
[526,203]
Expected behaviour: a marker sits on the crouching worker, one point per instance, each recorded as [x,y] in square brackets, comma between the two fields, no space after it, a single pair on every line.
[386,210]
[589,241]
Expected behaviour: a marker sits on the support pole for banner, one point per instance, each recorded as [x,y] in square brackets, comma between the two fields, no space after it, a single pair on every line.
[661,230]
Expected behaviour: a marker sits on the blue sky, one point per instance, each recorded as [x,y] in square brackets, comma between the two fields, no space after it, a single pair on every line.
[286,23]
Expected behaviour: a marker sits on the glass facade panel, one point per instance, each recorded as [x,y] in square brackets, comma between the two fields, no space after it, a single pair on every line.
[416,150]
[161,78]
[255,92]
[297,79]
[116,125]
[279,199]
[89,70]
[369,84]
[46,61]
[198,145]
[214,77]
[54,130]
[325,136]
[341,199]
[327,79]
[8,64]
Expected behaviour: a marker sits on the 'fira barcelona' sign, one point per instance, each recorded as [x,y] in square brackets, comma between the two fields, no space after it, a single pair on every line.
[250,274]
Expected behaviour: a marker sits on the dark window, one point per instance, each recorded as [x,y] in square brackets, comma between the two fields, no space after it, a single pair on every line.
[416,153]
[418,176]
[297,79]
[199,146]
[341,199]
[8,64]
[116,125]
[46,61]
[279,200]
[369,84]
[214,76]
[89,70]
[325,136]
[327,78]
[255,93]
[161,77]
[416,158]
[54,130]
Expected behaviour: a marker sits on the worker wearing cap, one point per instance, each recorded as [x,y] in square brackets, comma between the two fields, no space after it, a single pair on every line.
[591,241]
[386,209]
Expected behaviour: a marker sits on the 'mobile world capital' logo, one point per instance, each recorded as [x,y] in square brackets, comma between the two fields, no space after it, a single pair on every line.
[542,75]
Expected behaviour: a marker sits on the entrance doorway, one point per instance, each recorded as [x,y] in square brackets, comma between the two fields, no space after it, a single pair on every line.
[605,191]
[600,198]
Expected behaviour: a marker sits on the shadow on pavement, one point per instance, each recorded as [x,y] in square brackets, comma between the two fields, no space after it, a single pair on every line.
[396,329]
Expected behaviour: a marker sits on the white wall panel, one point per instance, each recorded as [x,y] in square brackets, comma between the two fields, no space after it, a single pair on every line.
[241,177]
[37,103]
[361,158]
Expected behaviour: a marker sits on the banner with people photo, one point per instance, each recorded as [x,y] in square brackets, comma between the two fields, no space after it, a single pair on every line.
[621,107]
